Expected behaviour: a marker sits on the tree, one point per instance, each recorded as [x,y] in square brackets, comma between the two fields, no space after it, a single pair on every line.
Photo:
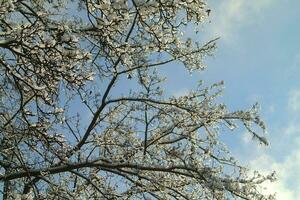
[84,114]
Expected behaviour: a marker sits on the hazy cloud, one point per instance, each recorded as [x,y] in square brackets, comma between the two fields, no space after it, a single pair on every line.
[230,15]
[294,100]
[287,187]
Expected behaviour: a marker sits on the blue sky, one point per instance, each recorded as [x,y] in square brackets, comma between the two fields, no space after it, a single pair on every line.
[258,57]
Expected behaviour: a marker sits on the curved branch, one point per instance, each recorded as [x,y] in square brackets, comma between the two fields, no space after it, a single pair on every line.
[96,163]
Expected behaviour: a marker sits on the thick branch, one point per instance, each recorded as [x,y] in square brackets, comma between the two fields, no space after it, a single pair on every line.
[99,164]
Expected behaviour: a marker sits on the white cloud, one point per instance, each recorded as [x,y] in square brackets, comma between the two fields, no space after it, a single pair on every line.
[287,187]
[231,15]
[293,128]
[265,164]
[246,138]
[271,108]
[294,100]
